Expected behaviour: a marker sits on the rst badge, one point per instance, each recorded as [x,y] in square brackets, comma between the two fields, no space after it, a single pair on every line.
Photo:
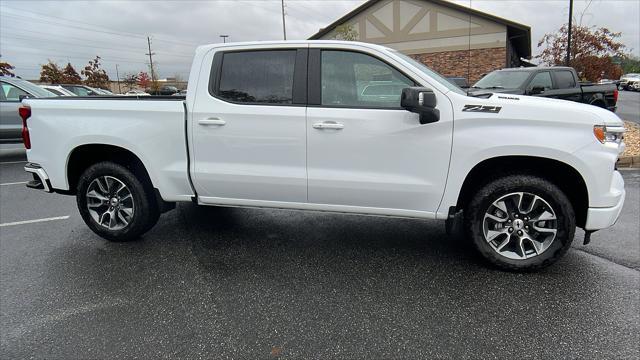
[482,108]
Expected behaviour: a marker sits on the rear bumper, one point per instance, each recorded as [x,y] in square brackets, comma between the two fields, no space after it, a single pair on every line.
[602,218]
[40,178]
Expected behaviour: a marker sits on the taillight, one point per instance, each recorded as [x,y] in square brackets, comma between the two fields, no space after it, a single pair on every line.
[25,113]
[615,95]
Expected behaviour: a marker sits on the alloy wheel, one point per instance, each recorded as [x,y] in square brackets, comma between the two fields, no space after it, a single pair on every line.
[110,203]
[520,225]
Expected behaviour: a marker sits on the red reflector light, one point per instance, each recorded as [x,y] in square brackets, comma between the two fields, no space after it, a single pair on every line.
[25,113]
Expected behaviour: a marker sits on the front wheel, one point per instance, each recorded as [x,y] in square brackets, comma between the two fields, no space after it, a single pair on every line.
[114,203]
[520,222]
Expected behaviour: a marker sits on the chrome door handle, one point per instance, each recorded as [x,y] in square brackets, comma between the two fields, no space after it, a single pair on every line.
[212,121]
[328,125]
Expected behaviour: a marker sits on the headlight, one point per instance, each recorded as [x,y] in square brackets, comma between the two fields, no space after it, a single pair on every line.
[609,134]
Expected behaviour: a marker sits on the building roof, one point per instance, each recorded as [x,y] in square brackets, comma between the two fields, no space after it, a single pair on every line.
[520,34]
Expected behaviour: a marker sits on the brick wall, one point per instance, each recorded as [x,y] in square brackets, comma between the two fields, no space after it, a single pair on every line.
[454,63]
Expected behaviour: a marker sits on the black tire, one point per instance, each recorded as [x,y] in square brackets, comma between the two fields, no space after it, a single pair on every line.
[145,214]
[475,210]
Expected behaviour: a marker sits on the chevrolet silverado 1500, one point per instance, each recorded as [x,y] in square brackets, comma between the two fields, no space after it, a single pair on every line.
[290,125]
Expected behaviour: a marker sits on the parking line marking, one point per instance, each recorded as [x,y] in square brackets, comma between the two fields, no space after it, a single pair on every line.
[35,221]
[12,162]
[14,183]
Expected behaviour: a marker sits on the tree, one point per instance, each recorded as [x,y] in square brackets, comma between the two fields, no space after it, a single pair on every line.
[130,80]
[51,73]
[144,80]
[592,50]
[346,32]
[95,75]
[5,69]
[630,64]
[70,75]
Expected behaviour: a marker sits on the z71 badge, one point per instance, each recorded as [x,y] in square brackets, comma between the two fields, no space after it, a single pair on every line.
[482,108]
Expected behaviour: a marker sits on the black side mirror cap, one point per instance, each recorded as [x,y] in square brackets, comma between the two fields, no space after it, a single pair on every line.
[421,101]
[22,97]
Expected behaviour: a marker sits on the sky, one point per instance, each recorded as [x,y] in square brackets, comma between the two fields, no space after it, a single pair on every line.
[33,31]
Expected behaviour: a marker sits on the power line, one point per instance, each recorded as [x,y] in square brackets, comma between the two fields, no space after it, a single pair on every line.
[132,51]
[110,32]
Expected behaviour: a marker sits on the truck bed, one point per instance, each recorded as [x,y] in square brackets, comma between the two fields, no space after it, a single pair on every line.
[151,127]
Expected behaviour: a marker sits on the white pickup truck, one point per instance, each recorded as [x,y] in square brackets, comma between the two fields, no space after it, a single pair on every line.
[335,126]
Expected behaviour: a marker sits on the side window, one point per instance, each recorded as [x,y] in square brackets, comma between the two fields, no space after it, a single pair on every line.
[565,79]
[359,80]
[11,93]
[258,77]
[541,79]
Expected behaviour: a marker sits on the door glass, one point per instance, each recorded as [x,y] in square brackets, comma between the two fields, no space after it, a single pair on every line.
[11,93]
[258,77]
[353,79]
[565,79]
[541,79]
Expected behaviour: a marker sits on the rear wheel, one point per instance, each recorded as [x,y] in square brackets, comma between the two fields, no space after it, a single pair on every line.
[114,203]
[520,222]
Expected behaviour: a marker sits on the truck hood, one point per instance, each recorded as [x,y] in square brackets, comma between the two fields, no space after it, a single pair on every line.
[532,107]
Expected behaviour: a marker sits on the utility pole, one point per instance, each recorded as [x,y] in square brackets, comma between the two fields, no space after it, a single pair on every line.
[224,38]
[153,77]
[568,60]
[284,24]
[118,77]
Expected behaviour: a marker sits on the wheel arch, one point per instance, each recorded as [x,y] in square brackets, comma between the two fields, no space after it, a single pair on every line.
[563,175]
[83,156]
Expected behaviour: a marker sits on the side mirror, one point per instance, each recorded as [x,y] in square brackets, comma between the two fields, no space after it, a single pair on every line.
[22,97]
[536,90]
[421,101]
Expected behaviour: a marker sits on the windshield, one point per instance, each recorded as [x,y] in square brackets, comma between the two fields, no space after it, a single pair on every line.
[434,75]
[31,88]
[502,80]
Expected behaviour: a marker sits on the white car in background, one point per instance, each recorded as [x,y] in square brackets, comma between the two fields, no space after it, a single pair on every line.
[58,90]
[628,80]
[136,93]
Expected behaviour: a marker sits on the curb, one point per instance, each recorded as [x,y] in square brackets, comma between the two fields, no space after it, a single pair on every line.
[628,162]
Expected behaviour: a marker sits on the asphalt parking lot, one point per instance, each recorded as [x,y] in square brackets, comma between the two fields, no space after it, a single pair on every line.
[223,282]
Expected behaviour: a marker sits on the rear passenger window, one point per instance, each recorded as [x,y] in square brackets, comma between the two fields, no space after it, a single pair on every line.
[257,77]
[565,79]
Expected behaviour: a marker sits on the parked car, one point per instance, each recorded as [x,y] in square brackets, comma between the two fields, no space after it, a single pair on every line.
[81,90]
[627,81]
[57,90]
[135,92]
[519,173]
[181,93]
[165,90]
[104,92]
[460,82]
[12,91]
[557,82]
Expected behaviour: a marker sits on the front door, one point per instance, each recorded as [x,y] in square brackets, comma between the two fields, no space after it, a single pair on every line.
[364,150]
[248,128]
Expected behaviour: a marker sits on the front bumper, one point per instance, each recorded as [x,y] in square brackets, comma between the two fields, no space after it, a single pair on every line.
[602,218]
[40,178]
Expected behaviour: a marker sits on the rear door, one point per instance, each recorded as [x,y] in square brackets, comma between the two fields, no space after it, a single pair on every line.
[248,127]
[364,150]
[565,86]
